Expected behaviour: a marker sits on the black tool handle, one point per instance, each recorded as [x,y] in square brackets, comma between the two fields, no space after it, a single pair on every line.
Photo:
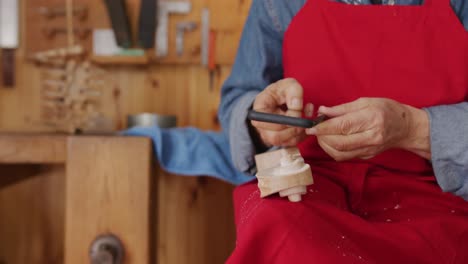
[147,23]
[284,120]
[120,24]
[8,67]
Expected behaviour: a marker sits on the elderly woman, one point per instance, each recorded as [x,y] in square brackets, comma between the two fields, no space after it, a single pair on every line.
[391,161]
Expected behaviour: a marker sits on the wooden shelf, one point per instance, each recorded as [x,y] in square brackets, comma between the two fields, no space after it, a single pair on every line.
[33,148]
[121,60]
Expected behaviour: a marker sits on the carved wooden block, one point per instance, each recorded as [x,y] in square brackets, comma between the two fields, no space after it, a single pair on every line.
[283,171]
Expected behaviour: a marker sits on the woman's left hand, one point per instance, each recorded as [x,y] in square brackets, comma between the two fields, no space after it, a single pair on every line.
[369,126]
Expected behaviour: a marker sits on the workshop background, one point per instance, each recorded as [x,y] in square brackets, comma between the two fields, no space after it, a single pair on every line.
[83,67]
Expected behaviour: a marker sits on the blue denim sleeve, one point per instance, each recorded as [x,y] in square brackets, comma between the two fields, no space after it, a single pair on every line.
[460,7]
[449,134]
[449,145]
[258,64]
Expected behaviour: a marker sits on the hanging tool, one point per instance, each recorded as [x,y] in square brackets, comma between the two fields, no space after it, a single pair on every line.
[147,23]
[8,39]
[208,49]
[212,66]
[120,23]
[183,27]
[164,9]
[205,36]
[81,12]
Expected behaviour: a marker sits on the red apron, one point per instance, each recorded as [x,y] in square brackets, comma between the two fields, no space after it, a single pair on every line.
[388,209]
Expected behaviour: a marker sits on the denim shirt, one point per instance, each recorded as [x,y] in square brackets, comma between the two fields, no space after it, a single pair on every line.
[259,63]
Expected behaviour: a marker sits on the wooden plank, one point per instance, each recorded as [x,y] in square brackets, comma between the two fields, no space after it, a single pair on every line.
[32,214]
[32,148]
[195,220]
[108,191]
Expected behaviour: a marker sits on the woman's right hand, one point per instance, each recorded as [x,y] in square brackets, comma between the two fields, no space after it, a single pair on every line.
[283,97]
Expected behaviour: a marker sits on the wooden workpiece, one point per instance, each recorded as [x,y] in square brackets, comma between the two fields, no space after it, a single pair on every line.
[71,91]
[283,171]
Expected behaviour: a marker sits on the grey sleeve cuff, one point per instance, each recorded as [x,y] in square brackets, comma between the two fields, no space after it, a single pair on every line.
[243,149]
[449,146]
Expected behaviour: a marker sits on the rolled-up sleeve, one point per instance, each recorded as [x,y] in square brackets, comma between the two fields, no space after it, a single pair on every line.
[258,63]
[449,146]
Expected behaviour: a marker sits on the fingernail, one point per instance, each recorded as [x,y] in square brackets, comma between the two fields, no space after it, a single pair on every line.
[311,131]
[296,103]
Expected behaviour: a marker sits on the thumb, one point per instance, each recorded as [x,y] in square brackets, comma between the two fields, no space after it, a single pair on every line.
[289,92]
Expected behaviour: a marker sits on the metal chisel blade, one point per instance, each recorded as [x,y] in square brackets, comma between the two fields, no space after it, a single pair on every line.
[9,24]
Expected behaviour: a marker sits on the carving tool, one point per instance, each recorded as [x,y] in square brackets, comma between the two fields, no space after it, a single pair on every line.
[183,27]
[164,9]
[212,67]
[119,20]
[147,23]
[205,36]
[284,120]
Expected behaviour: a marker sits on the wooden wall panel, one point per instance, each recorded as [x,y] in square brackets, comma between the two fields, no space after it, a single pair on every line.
[196,218]
[32,214]
[164,88]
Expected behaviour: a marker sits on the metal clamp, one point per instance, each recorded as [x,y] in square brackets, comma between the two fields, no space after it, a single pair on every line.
[183,27]
[164,9]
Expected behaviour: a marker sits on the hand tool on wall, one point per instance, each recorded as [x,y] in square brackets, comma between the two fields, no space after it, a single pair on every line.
[182,28]
[120,23]
[8,39]
[164,9]
[212,66]
[208,46]
[147,23]
[205,36]
[81,12]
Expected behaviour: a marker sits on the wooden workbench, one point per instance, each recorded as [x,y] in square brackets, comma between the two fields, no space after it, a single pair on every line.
[58,193]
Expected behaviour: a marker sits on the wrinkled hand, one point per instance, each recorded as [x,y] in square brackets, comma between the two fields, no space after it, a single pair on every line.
[369,126]
[283,97]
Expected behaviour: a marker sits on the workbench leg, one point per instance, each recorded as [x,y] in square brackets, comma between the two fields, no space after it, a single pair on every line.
[108,191]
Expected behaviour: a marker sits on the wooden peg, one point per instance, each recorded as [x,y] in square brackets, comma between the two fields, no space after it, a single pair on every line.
[57,54]
[81,12]
[81,33]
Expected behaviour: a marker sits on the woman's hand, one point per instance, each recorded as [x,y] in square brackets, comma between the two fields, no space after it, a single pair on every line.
[283,97]
[369,126]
